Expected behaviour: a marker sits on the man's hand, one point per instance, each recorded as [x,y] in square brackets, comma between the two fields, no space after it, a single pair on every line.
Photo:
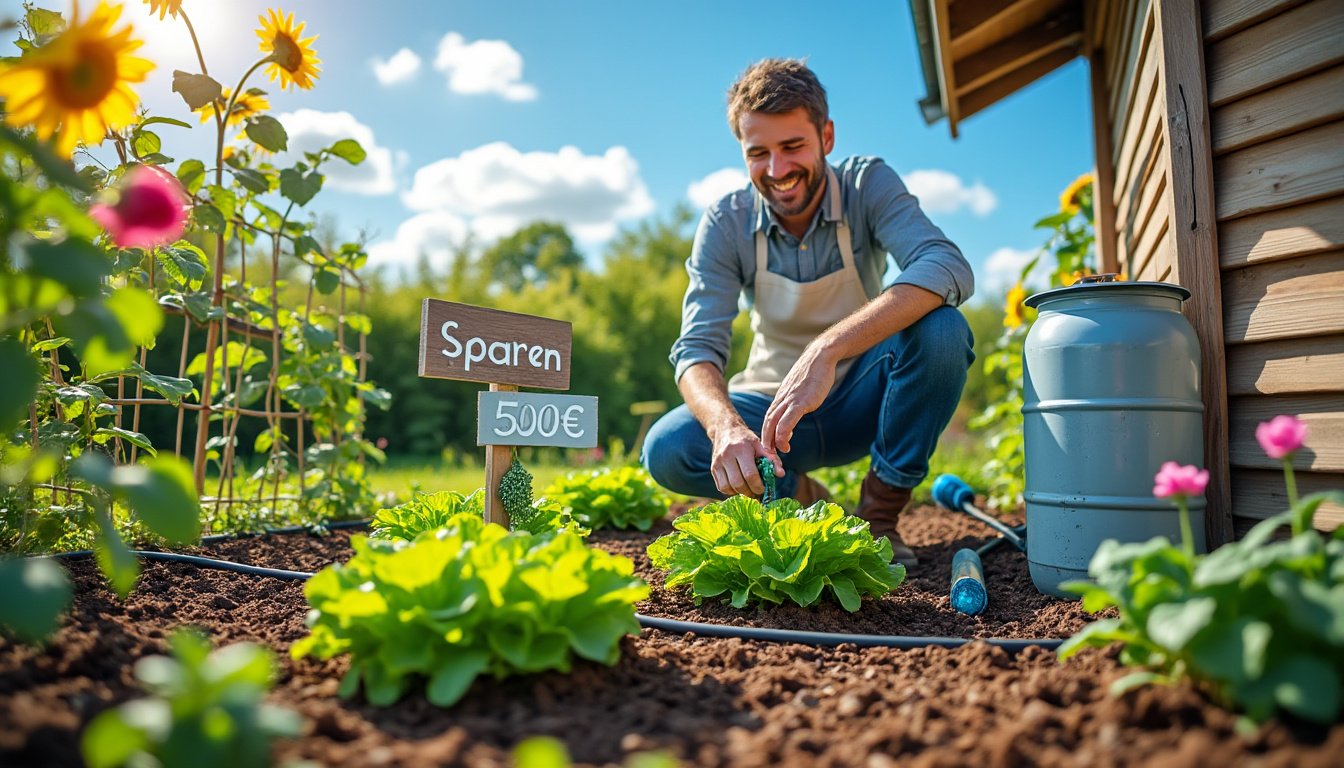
[802,392]
[733,463]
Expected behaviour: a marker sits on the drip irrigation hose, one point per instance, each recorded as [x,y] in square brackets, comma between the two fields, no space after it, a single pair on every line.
[905,642]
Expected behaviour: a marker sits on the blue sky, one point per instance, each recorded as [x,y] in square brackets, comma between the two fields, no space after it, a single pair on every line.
[602,113]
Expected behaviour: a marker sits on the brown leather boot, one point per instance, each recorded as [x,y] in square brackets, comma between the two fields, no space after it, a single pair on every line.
[881,505]
[810,491]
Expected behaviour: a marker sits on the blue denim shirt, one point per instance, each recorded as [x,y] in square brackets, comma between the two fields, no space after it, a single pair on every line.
[884,218]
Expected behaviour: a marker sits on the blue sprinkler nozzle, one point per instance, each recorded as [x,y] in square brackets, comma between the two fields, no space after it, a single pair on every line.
[968,594]
[952,492]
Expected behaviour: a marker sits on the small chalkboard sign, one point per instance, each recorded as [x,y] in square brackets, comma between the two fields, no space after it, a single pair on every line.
[525,418]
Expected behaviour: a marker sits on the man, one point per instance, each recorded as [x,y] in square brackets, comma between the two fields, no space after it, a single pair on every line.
[840,365]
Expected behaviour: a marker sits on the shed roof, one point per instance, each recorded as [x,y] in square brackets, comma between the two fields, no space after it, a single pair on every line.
[975,52]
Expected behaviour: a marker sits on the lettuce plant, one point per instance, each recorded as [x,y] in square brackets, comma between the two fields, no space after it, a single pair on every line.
[619,497]
[467,599]
[1258,623]
[431,511]
[424,512]
[756,552]
[206,711]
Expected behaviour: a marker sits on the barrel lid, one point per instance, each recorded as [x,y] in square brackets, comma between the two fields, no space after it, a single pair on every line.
[1104,284]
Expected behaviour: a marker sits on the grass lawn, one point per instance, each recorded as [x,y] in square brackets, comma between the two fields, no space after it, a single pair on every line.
[403,475]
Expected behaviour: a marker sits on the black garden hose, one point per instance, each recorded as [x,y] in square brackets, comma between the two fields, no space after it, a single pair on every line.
[674,626]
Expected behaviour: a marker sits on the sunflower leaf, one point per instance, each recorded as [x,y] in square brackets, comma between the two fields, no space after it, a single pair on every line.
[196,90]
[267,132]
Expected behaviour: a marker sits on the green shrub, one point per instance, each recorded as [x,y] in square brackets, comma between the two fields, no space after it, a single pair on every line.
[467,599]
[775,552]
[206,711]
[1258,623]
[620,497]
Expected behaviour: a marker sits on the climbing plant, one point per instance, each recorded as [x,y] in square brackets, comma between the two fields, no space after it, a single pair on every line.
[104,235]
[1070,245]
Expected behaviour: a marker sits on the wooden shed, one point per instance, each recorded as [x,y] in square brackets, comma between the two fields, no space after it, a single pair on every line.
[1219,134]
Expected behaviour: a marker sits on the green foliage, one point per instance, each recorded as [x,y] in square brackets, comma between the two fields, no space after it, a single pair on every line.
[33,594]
[80,317]
[624,304]
[844,482]
[546,752]
[619,497]
[1258,623]
[206,710]
[424,512]
[1070,245]
[774,552]
[470,598]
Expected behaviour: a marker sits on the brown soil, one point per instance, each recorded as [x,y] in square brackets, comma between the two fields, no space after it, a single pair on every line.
[710,702]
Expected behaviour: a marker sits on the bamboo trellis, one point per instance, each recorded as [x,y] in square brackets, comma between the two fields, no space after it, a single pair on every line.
[219,328]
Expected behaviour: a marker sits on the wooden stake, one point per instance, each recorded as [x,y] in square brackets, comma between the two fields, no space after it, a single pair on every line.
[497,461]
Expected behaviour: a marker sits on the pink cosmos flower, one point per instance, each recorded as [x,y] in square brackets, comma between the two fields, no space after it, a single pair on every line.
[1281,435]
[149,209]
[1176,480]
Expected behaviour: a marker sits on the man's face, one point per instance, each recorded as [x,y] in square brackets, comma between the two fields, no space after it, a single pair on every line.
[786,158]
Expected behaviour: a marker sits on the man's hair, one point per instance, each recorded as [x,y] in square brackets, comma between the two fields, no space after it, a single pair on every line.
[776,86]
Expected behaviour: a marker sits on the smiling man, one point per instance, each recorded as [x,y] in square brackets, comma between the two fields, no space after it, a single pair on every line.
[841,365]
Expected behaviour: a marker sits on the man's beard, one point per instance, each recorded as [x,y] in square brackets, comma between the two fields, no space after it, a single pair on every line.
[812,185]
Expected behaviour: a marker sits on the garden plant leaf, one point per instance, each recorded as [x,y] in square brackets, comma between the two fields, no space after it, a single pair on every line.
[775,552]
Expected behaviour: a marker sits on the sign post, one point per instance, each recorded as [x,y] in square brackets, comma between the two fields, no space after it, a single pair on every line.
[507,350]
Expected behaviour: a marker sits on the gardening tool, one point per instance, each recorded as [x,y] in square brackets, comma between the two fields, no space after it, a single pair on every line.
[968,593]
[1110,391]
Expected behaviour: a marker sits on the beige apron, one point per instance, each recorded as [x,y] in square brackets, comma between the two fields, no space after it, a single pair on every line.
[788,315]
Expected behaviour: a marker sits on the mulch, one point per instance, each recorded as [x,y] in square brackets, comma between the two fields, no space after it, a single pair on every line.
[711,702]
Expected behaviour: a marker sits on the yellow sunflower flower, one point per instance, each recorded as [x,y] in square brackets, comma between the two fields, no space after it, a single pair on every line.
[1012,308]
[293,60]
[164,7]
[251,102]
[78,84]
[1069,199]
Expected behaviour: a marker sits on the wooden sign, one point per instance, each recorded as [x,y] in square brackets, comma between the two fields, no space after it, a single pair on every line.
[469,343]
[524,418]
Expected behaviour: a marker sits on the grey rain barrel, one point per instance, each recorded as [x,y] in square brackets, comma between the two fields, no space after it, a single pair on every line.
[1111,391]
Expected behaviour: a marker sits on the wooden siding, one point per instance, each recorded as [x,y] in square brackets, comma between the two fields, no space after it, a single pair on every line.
[1275,73]
[1140,192]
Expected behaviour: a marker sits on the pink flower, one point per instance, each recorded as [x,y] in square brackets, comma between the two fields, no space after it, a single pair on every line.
[1176,480]
[381,443]
[1281,435]
[149,209]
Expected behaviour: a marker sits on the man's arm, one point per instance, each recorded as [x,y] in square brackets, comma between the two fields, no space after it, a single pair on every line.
[701,353]
[736,447]
[811,378]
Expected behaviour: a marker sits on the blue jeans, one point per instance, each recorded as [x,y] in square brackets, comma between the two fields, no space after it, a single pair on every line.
[893,404]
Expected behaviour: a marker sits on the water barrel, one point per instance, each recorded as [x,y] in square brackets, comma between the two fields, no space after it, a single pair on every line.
[1111,391]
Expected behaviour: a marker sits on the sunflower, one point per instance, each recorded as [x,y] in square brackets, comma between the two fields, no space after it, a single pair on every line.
[164,7]
[293,60]
[250,102]
[1012,308]
[1072,197]
[78,83]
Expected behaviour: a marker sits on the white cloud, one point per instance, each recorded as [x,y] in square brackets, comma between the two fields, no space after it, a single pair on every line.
[943,192]
[436,235]
[500,189]
[483,66]
[1002,269]
[310,130]
[403,66]
[707,191]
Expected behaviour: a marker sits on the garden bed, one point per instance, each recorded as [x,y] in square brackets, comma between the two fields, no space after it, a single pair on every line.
[708,701]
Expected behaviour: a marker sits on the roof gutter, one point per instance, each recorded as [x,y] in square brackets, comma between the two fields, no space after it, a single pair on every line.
[930,106]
